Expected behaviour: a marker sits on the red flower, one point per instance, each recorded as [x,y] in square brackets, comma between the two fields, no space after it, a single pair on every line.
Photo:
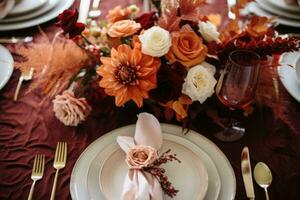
[169,82]
[146,20]
[68,22]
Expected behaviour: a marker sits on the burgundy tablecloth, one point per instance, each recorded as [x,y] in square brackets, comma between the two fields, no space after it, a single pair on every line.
[29,127]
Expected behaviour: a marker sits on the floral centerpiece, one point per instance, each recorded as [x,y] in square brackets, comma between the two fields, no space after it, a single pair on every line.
[169,58]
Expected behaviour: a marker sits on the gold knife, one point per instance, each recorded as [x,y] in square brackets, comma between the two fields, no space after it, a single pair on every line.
[247,174]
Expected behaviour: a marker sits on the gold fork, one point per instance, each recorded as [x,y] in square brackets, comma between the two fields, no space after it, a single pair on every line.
[37,172]
[25,76]
[60,160]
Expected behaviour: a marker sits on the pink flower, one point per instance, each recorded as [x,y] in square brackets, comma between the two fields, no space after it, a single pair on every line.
[140,156]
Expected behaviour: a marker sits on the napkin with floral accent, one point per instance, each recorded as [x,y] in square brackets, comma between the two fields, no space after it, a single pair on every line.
[145,179]
[5,7]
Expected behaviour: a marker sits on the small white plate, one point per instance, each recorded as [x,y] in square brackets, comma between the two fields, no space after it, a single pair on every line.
[78,183]
[253,7]
[59,8]
[24,6]
[287,74]
[6,66]
[282,5]
[45,8]
[275,10]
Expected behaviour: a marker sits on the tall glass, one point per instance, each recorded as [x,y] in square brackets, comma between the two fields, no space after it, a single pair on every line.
[236,88]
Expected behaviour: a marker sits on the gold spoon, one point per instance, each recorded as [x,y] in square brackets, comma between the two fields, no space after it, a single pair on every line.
[263,176]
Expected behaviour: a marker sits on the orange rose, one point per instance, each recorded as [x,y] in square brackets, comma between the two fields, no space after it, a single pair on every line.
[123,28]
[117,14]
[187,47]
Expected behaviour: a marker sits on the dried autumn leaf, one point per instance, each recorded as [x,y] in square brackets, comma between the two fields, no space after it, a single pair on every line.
[259,25]
[229,31]
[240,4]
[215,18]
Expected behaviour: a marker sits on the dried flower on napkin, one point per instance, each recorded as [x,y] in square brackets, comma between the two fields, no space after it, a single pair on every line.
[156,170]
[70,110]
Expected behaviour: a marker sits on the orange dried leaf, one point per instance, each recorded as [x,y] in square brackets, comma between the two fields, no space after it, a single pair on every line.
[215,19]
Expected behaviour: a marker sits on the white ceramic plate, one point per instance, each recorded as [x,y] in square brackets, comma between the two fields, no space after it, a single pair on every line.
[61,6]
[253,7]
[24,6]
[78,183]
[45,8]
[275,10]
[6,66]
[288,74]
[282,5]
[214,182]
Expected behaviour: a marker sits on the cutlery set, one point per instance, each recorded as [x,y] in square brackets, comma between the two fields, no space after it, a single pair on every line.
[60,160]
[262,175]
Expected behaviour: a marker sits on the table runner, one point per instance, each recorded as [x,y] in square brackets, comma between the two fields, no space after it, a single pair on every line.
[29,127]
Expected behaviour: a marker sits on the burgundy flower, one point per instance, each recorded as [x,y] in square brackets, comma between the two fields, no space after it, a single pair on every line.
[169,82]
[146,20]
[68,22]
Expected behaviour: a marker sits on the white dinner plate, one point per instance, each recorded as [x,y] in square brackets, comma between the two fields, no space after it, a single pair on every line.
[253,7]
[275,10]
[24,6]
[6,66]
[59,8]
[287,74]
[45,8]
[214,182]
[282,5]
[78,183]
[186,151]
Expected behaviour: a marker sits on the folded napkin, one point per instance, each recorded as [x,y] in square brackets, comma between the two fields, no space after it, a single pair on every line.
[142,151]
[5,7]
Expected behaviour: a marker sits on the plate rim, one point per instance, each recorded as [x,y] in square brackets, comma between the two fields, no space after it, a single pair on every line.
[44,9]
[286,7]
[253,7]
[269,7]
[60,7]
[14,13]
[10,68]
[164,126]
[282,79]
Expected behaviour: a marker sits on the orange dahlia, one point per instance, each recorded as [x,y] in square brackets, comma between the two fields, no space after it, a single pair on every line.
[128,74]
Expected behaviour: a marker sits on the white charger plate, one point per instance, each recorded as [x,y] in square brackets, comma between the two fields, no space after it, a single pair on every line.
[45,8]
[6,66]
[282,5]
[24,6]
[253,7]
[192,184]
[59,8]
[277,11]
[287,74]
[78,183]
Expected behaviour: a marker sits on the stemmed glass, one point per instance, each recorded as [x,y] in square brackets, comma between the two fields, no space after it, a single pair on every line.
[236,88]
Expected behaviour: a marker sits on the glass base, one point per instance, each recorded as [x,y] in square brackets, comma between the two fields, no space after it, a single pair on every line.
[232,133]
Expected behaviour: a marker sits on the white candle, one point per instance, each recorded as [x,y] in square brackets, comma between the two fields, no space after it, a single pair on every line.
[84,10]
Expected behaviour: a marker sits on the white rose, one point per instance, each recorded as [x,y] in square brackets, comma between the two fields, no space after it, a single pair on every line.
[208,31]
[200,82]
[156,41]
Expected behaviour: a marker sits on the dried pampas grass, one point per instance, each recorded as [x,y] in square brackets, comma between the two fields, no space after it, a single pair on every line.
[55,62]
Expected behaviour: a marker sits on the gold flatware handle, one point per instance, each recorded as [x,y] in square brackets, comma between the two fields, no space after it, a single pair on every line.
[54,186]
[18,88]
[31,190]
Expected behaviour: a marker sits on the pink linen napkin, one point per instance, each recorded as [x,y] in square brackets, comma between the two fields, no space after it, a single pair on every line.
[138,184]
[5,7]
